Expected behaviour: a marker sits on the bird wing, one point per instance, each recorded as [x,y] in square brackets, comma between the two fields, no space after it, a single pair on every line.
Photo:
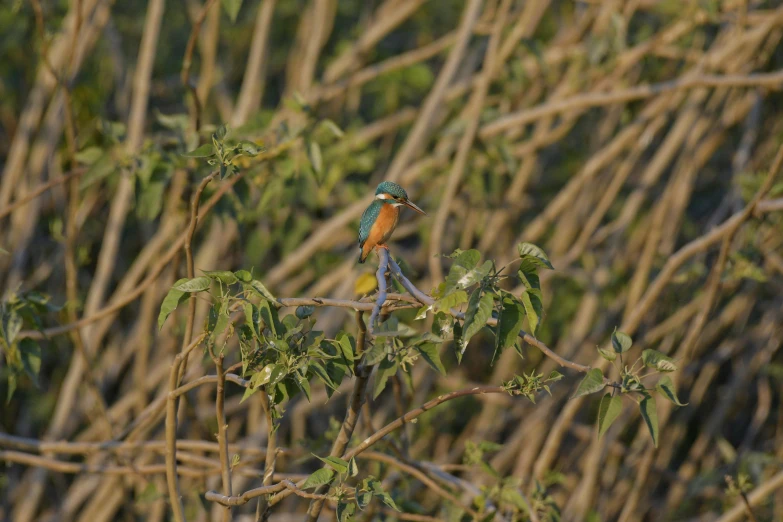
[368,218]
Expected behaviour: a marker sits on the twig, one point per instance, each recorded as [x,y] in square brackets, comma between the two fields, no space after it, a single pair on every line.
[408,417]
[423,478]
[401,421]
[262,510]
[171,432]
[245,497]
[220,413]
[30,196]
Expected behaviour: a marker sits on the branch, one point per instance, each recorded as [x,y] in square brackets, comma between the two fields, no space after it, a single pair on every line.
[187,61]
[401,421]
[245,497]
[262,510]
[220,413]
[380,275]
[585,101]
[358,396]
[74,173]
[171,431]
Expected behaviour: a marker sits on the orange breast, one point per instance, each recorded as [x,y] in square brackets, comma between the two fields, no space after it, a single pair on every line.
[382,229]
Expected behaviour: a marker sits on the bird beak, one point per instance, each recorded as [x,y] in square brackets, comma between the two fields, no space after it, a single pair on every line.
[410,205]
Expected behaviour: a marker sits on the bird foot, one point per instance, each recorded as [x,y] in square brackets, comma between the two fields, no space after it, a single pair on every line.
[382,245]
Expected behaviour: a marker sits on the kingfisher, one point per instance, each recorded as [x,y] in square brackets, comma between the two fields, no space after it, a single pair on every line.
[380,218]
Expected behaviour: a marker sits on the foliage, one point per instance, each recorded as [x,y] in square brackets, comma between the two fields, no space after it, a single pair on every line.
[594,171]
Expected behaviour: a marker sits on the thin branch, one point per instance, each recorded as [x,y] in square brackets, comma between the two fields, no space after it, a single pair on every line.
[262,509]
[245,497]
[171,431]
[772,81]
[401,421]
[220,413]
[43,187]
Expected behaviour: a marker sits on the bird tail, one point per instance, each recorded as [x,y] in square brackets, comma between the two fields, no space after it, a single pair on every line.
[362,257]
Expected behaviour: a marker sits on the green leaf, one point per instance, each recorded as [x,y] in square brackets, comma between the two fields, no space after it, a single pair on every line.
[224,276]
[554,376]
[530,279]
[379,492]
[353,468]
[258,379]
[204,151]
[534,308]
[243,276]
[30,353]
[12,325]
[479,310]
[392,328]
[347,344]
[259,288]
[606,354]
[345,511]
[666,388]
[621,342]
[149,200]
[649,413]
[533,255]
[363,497]
[232,10]
[11,387]
[218,319]
[221,131]
[278,373]
[387,368]
[657,360]
[374,355]
[593,382]
[336,463]
[608,411]
[303,312]
[269,315]
[251,318]
[318,478]
[303,385]
[429,352]
[333,128]
[248,148]
[316,158]
[467,259]
[510,321]
[318,369]
[197,284]
[451,300]
[102,168]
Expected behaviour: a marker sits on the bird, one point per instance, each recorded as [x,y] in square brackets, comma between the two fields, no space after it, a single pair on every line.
[380,218]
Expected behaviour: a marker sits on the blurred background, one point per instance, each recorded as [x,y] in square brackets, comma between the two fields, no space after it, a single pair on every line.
[628,138]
